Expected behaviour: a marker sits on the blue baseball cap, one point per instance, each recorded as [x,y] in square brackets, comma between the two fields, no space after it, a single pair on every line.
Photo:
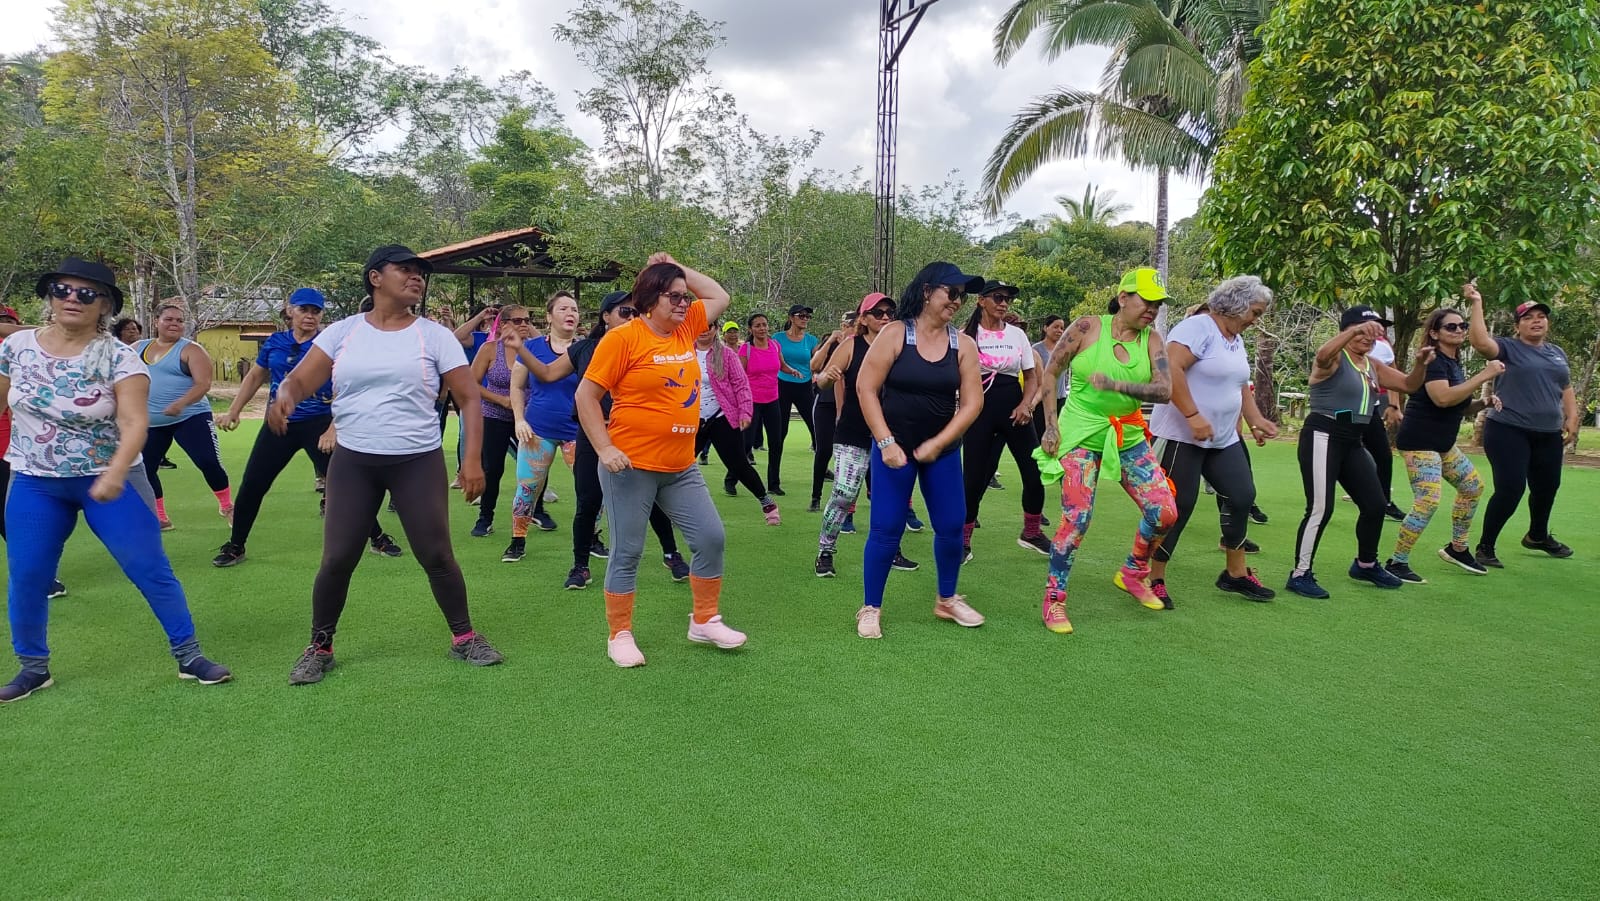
[950,274]
[308,297]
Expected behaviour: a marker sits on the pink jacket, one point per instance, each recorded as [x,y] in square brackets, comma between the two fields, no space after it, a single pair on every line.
[732,390]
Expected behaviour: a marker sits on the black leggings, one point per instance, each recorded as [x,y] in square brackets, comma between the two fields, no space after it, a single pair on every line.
[800,396]
[197,435]
[825,416]
[721,434]
[1334,452]
[591,496]
[1518,459]
[764,417]
[1228,471]
[270,455]
[356,484]
[499,436]
[1376,438]
[981,447]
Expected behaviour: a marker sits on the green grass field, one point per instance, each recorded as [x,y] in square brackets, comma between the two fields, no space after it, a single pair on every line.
[1437,741]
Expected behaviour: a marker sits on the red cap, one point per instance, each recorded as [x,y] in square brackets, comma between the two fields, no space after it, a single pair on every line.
[1527,307]
[10,312]
[871,301]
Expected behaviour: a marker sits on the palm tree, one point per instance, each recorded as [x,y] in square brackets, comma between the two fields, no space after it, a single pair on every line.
[1173,86]
[1096,207]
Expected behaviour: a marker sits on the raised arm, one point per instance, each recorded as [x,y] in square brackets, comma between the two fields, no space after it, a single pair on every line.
[700,285]
[464,331]
[544,372]
[1443,394]
[1477,325]
[1326,361]
[825,351]
[1409,382]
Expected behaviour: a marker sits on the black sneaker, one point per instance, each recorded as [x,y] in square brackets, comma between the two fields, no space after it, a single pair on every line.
[206,672]
[966,554]
[310,667]
[730,489]
[598,549]
[1247,585]
[544,521]
[703,461]
[775,491]
[476,650]
[827,476]
[1549,545]
[1306,586]
[679,566]
[1404,572]
[166,464]
[322,507]
[230,555]
[994,484]
[514,551]
[815,507]
[384,544]
[482,529]
[904,563]
[1257,516]
[1463,559]
[1394,512]
[24,684]
[320,486]
[1249,547]
[825,568]
[577,578]
[391,507]
[1374,574]
[1485,557]
[1035,543]
[57,590]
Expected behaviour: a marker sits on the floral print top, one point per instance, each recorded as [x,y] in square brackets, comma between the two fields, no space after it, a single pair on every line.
[64,424]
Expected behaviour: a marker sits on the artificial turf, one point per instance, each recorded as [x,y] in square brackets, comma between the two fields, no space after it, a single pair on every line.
[1436,741]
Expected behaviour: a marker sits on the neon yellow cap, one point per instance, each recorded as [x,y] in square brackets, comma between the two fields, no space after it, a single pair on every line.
[1144,282]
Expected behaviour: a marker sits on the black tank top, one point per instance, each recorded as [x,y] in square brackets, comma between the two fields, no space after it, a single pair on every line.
[919,398]
[852,430]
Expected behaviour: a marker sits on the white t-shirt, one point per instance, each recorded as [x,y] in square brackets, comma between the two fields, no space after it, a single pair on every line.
[63,424]
[709,407]
[1006,352]
[1221,370]
[384,383]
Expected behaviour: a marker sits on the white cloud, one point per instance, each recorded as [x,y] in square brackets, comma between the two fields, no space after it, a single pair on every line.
[792,67]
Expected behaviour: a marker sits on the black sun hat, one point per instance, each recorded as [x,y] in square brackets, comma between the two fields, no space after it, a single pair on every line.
[99,273]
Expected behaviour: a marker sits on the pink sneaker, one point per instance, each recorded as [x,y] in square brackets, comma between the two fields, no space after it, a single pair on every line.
[867,622]
[1133,582]
[623,651]
[771,512]
[713,631]
[1054,611]
[958,611]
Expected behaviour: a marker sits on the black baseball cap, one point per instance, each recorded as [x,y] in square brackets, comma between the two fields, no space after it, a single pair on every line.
[99,273]
[391,253]
[798,309]
[950,274]
[993,285]
[613,300]
[1362,313]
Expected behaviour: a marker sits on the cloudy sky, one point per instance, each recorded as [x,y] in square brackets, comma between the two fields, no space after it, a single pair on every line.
[791,66]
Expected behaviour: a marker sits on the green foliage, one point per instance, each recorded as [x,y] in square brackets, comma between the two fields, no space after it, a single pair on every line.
[1393,149]
[531,174]
[1045,289]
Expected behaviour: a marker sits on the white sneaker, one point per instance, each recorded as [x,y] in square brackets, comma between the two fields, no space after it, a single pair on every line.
[623,651]
[867,622]
[713,631]
[958,611]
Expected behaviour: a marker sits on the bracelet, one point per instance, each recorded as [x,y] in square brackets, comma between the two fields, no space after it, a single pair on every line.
[1190,415]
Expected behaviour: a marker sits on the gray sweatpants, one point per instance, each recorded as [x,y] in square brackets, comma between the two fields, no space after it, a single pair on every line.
[683,497]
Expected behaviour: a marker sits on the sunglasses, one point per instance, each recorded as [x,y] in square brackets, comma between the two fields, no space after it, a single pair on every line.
[518,320]
[1453,327]
[802,315]
[85,295]
[626,312]
[955,293]
[879,313]
[677,298]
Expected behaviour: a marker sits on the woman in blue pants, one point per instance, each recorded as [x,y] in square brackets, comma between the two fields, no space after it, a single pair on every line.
[920,389]
[78,397]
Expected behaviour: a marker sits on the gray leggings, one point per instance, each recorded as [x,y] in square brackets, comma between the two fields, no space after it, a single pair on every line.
[683,497]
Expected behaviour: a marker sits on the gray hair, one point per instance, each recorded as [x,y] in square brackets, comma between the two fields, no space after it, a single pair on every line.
[1234,297]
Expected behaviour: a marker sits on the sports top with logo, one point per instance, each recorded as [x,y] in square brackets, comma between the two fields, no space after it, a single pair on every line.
[654,381]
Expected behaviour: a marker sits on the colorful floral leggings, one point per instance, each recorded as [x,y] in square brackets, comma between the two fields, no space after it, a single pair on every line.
[1144,481]
[850,466]
[534,459]
[1427,469]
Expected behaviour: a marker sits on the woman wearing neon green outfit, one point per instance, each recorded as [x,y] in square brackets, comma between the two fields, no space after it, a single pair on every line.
[1116,366]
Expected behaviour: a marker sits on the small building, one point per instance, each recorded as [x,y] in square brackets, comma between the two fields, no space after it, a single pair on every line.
[232,326]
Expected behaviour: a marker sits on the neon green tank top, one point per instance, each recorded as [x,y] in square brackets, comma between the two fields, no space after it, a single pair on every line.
[1086,419]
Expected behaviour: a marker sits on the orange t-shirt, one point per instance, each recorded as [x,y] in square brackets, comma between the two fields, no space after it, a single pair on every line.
[655,390]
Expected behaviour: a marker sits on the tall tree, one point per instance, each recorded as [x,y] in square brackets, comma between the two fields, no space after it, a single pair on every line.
[1095,208]
[531,174]
[1168,91]
[648,58]
[1393,149]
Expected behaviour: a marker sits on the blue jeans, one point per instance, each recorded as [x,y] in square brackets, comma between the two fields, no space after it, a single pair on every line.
[891,496]
[128,529]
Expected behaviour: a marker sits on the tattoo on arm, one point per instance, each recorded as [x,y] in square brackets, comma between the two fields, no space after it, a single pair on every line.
[1154,392]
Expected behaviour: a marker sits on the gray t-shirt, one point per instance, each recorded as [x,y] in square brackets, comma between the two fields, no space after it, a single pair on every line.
[1530,388]
[1216,382]
[1061,380]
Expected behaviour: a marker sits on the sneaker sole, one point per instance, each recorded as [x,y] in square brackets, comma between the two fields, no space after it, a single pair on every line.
[827,575]
[464,659]
[383,553]
[905,569]
[1475,570]
[193,678]
[1376,585]
[484,534]
[55,594]
[46,684]
[949,617]
[576,587]
[510,559]
[1246,595]
[1023,543]
[1059,628]
[605,556]
[224,565]
[725,647]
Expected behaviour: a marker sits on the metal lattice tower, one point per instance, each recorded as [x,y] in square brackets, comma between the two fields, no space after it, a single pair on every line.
[897,20]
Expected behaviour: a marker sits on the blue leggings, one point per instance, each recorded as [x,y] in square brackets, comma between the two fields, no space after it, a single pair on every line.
[128,529]
[891,496]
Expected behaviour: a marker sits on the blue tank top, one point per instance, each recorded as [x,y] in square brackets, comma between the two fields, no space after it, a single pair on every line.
[168,382]
[550,404]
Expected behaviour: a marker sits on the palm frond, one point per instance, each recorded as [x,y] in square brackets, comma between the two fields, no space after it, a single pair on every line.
[1167,71]
[1101,23]
[1053,127]
[1017,24]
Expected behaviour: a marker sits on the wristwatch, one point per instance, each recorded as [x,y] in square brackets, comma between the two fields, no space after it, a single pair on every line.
[885,442]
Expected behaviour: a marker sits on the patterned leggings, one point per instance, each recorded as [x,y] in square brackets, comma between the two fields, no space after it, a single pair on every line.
[1427,469]
[533,470]
[1142,479]
[850,466]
